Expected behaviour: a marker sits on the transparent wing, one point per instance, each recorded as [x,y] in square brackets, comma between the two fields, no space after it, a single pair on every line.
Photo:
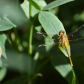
[77,47]
[51,44]
[49,48]
[53,49]
[77,43]
[76,40]
[41,36]
[78,33]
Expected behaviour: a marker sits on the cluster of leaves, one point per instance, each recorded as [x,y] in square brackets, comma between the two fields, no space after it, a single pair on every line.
[23,55]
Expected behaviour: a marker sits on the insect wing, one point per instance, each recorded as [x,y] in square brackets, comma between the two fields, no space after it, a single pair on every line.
[78,33]
[49,48]
[42,48]
[41,36]
[77,44]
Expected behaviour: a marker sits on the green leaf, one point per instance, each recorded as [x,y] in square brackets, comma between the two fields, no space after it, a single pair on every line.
[5,25]
[25,7]
[2,73]
[7,19]
[2,43]
[0,63]
[50,23]
[38,28]
[34,4]
[72,78]
[60,63]
[52,26]
[42,3]
[55,4]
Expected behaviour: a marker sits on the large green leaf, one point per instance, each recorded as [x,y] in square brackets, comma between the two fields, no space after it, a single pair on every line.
[52,26]
[2,43]
[50,23]
[34,4]
[5,25]
[55,4]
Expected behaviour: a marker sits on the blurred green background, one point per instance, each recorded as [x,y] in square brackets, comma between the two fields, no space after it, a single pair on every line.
[70,14]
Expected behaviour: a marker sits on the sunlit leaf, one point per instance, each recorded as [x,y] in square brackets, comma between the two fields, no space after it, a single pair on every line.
[50,23]
[52,26]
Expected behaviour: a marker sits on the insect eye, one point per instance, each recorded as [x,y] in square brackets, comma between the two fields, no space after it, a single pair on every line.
[61,32]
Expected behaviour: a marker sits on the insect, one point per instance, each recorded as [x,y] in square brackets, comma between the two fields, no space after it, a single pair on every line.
[62,40]
[65,42]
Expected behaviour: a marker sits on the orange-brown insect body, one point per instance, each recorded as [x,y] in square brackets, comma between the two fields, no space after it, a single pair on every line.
[65,42]
[63,37]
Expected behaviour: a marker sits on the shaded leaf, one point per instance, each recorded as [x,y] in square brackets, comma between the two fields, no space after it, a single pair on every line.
[0,63]
[2,73]
[25,7]
[72,78]
[2,43]
[60,63]
[19,61]
[17,80]
[55,4]
[5,25]
[7,19]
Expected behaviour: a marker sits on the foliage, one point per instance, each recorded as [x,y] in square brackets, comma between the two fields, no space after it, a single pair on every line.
[21,62]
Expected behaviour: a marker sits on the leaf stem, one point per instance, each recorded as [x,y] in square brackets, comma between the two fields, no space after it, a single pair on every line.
[30,11]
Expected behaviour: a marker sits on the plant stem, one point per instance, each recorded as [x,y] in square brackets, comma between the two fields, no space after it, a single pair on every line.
[30,40]
[30,11]
[30,31]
